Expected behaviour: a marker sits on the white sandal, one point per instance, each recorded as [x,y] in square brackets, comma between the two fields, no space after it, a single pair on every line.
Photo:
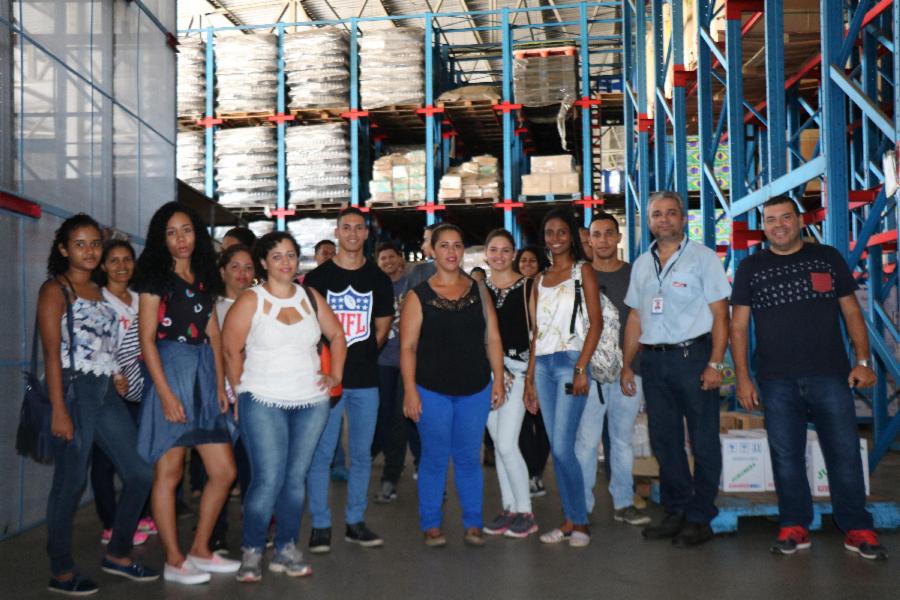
[554,537]
[579,539]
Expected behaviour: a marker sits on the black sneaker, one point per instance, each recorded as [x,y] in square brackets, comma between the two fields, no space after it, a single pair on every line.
[668,528]
[320,541]
[536,487]
[358,533]
[387,493]
[76,586]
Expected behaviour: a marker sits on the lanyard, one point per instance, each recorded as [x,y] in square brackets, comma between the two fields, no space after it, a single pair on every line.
[660,274]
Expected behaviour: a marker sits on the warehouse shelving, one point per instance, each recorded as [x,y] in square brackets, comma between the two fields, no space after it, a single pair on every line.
[433,124]
[758,97]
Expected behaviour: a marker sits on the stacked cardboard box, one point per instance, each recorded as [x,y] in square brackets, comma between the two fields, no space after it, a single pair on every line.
[555,174]
[399,177]
[817,472]
[476,178]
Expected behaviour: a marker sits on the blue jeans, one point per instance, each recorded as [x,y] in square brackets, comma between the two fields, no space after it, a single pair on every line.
[452,426]
[826,401]
[621,412]
[671,381]
[562,415]
[587,440]
[280,444]
[102,419]
[394,431]
[362,413]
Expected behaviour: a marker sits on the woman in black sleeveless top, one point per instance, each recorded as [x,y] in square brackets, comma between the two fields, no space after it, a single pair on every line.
[449,348]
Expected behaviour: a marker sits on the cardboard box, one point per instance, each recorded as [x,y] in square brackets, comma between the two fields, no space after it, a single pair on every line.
[565,183]
[401,195]
[557,163]
[743,466]
[453,182]
[536,185]
[486,160]
[645,466]
[400,172]
[379,186]
[740,420]
[817,472]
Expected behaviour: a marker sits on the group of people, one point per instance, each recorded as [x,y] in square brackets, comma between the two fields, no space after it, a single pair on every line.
[232,355]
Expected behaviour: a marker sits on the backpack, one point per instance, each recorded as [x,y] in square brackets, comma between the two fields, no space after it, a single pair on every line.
[606,361]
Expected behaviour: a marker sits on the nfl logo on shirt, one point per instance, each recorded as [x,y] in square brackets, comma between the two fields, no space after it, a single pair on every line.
[354,311]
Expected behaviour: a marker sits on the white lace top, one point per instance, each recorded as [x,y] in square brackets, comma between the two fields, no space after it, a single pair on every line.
[554,318]
[95,325]
[282,365]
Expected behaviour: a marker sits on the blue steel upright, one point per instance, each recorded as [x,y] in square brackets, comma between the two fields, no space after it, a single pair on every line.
[587,154]
[506,33]
[281,198]
[209,132]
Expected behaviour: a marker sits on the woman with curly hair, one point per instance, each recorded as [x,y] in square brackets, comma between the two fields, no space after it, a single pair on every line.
[184,401]
[78,334]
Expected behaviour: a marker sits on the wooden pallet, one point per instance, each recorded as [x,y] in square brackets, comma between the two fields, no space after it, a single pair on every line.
[477,124]
[318,116]
[395,204]
[468,201]
[246,119]
[189,123]
[545,52]
[399,122]
[321,205]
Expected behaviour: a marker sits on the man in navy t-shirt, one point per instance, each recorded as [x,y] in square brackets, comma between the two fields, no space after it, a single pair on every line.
[797,293]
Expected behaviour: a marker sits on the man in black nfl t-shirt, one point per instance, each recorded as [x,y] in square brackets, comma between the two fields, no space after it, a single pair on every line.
[362,299]
[797,293]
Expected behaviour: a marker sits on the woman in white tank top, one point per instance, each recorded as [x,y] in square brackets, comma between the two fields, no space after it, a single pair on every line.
[557,370]
[270,342]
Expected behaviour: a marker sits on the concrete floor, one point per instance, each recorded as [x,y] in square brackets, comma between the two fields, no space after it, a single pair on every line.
[617,564]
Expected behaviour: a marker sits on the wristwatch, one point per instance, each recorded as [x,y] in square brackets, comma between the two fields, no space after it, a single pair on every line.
[717,366]
[864,362]
[579,370]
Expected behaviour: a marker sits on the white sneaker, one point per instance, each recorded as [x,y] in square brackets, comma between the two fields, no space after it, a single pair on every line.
[215,564]
[187,574]
[579,539]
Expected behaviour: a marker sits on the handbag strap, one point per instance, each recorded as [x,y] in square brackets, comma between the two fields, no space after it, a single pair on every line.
[70,327]
[525,296]
[576,308]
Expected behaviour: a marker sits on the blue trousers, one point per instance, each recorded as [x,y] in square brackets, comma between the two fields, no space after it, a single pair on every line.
[826,401]
[361,405]
[452,427]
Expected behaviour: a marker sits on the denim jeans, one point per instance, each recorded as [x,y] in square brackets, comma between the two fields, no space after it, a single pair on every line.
[621,412]
[671,381]
[562,414]
[361,405]
[452,426]
[103,477]
[280,443]
[826,401]
[104,420]
[504,425]
[394,431]
[587,440]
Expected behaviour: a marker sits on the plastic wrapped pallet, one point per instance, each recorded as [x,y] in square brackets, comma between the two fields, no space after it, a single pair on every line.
[392,67]
[316,68]
[318,163]
[246,73]
[246,167]
[545,80]
[191,159]
[191,76]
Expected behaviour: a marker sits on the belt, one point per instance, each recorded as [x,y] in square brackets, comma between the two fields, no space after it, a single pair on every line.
[678,346]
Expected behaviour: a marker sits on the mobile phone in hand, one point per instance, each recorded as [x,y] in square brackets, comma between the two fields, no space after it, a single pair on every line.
[569,389]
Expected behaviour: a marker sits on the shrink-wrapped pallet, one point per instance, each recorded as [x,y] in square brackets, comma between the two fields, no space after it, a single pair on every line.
[392,67]
[316,68]
[545,80]
[246,167]
[191,76]
[191,159]
[246,73]
[318,163]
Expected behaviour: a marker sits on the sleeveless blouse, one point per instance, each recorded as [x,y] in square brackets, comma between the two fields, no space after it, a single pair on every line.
[554,318]
[184,312]
[282,365]
[451,357]
[95,326]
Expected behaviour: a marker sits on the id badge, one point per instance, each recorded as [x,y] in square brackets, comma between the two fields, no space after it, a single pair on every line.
[656,305]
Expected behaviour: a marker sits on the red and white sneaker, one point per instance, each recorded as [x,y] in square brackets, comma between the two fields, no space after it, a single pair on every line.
[147,525]
[865,543]
[139,537]
[790,539]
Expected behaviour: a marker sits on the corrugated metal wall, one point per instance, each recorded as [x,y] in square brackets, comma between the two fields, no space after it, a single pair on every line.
[87,123]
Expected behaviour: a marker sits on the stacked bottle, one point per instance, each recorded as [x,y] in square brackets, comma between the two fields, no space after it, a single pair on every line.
[246,167]
[316,68]
[191,77]
[191,158]
[392,67]
[246,73]
[318,163]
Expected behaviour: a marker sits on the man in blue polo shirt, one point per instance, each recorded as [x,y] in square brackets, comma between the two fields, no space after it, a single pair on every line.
[678,295]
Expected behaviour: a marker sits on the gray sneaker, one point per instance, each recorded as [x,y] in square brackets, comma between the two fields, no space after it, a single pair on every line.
[500,524]
[250,570]
[522,526]
[387,493]
[631,515]
[289,560]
